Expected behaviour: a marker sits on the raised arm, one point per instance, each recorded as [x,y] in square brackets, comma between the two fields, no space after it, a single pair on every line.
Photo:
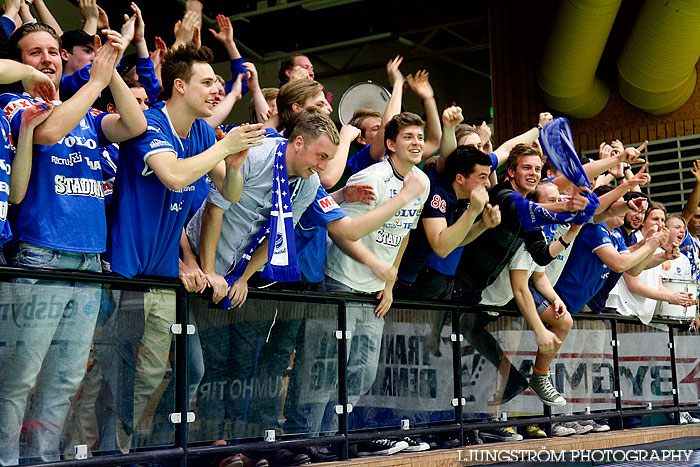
[451,117]
[69,114]
[692,205]
[420,85]
[44,16]
[528,137]
[88,9]
[336,166]
[222,110]
[393,107]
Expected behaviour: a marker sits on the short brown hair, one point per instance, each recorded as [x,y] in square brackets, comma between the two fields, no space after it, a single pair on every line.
[360,115]
[398,123]
[295,92]
[23,31]
[287,64]
[268,94]
[311,124]
[655,205]
[520,150]
[177,63]
[464,129]
[670,217]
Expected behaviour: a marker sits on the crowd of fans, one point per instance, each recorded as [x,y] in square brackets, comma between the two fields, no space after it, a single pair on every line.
[123,163]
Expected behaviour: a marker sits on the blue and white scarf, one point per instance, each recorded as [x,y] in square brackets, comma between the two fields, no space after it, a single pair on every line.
[532,216]
[281,263]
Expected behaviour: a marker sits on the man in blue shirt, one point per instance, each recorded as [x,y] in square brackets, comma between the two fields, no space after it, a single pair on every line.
[60,224]
[156,186]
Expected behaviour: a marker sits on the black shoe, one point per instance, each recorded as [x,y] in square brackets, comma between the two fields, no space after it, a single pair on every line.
[498,435]
[380,447]
[280,457]
[515,385]
[319,454]
[472,438]
[415,444]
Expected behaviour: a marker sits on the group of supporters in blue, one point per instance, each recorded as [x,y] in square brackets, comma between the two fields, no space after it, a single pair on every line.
[146,185]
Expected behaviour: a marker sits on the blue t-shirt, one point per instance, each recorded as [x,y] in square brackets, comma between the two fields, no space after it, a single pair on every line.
[442,203]
[597,303]
[7,151]
[310,234]
[147,217]
[64,206]
[585,273]
[448,264]
[109,155]
[690,248]
[360,160]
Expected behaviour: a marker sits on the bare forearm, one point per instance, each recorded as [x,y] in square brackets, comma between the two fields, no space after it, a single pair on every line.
[212,219]
[434,131]
[453,236]
[21,166]
[232,186]
[67,116]
[45,16]
[336,166]
[692,205]
[221,111]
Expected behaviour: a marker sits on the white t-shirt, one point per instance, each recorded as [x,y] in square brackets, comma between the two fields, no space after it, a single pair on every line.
[629,304]
[553,269]
[383,242]
[500,292]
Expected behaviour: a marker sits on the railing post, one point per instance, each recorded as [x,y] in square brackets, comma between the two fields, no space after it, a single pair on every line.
[674,371]
[182,396]
[343,379]
[457,372]
[616,369]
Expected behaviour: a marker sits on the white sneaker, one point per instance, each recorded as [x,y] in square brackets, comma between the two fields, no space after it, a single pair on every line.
[597,427]
[687,418]
[578,428]
[559,429]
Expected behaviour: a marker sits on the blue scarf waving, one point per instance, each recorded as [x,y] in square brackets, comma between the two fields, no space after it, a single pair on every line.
[532,216]
[281,263]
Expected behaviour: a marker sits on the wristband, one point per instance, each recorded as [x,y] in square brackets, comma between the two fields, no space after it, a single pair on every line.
[539,128]
[619,179]
[563,242]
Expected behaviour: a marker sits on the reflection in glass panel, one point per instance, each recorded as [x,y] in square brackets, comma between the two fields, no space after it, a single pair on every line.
[401,370]
[497,361]
[583,370]
[687,364]
[80,365]
[247,386]
[645,365]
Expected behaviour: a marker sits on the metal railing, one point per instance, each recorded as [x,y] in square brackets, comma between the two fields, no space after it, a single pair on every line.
[183,450]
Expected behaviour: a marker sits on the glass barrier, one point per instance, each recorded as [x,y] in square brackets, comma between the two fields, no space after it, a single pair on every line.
[81,365]
[583,370]
[497,359]
[645,365]
[687,364]
[271,365]
[400,367]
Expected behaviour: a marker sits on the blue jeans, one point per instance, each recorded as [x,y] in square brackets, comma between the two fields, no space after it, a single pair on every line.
[52,330]
[310,395]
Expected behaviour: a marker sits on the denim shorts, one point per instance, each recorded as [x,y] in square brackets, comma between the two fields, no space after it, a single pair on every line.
[540,302]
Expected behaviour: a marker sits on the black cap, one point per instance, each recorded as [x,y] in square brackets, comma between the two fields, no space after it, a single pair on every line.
[70,39]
